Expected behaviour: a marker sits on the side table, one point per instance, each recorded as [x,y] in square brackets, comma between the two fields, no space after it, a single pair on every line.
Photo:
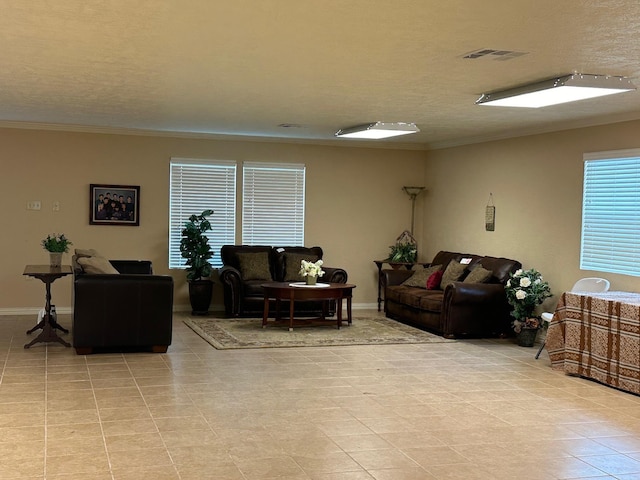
[396,265]
[48,275]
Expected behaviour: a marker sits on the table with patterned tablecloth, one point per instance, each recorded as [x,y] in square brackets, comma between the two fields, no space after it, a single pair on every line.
[597,336]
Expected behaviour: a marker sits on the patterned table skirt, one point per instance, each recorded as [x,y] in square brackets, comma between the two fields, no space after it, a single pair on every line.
[597,336]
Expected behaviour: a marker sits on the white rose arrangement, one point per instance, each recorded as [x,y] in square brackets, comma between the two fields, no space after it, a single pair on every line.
[313,269]
[526,289]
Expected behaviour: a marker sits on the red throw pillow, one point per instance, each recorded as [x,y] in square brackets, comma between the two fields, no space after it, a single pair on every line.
[433,282]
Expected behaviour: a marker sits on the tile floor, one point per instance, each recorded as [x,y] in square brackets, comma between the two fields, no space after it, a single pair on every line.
[465,410]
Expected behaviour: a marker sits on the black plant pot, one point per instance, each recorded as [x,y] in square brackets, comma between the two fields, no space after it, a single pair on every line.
[200,294]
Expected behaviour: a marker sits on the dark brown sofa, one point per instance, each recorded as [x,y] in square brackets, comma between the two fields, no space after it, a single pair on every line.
[131,310]
[462,308]
[244,297]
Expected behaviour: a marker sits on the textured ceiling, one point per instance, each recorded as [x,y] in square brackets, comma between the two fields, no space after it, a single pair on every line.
[245,67]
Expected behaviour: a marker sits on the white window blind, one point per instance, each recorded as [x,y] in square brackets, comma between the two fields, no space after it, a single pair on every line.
[273,204]
[197,185]
[611,213]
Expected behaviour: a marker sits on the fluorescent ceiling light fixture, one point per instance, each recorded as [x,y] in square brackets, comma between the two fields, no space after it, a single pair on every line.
[553,91]
[378,130]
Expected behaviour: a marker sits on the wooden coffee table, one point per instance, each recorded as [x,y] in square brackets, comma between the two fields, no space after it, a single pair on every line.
[300,292]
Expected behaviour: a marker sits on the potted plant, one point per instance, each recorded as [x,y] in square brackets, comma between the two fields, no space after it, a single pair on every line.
[403,252]
[311,271]
[56,244]
[194,246]
[526,289]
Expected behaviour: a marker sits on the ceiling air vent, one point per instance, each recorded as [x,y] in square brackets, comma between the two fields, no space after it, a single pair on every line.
[490,54]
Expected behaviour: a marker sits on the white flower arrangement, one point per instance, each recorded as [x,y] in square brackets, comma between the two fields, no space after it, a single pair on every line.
[313,269]
[525,290]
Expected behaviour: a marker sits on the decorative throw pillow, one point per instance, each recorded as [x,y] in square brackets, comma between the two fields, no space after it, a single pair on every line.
[83,252]
[292,263]
[96,265]
[254,266]
[420,276]
[433,283]
[478,275]
[453,273]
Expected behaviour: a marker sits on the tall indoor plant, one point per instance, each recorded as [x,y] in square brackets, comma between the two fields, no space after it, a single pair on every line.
[194,246]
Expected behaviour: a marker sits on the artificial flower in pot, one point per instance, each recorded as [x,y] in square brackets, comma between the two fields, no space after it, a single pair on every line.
[56,244]
[311,271]
[526,289]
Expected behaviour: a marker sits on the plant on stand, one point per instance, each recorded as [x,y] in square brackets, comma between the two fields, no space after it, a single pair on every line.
[404,250]
[526,289]
[56,244]
[311,271]
[194,246]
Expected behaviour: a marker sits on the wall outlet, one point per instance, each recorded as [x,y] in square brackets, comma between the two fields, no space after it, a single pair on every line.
[33,205]
[56,206]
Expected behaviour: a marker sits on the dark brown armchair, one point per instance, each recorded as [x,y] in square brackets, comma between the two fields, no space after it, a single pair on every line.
[131,310]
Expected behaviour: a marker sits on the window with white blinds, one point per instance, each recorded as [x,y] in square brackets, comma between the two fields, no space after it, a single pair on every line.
[273,204]
[611,212]
[197,185]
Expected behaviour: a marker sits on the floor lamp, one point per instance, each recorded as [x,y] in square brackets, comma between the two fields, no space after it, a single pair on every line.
[413,192]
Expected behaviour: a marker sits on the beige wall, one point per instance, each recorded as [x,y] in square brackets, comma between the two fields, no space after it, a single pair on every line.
[355,204]
[536,183]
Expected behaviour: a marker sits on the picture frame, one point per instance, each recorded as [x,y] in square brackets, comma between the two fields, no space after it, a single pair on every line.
[114,204]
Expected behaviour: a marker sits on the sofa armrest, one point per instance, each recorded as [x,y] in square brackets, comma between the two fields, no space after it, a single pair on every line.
[119,284]
[231,280]
[334,275]
[133,266]
[475,309]
[395,277]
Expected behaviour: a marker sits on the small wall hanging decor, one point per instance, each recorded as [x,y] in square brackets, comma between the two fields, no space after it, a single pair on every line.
[490,215]
[114,205]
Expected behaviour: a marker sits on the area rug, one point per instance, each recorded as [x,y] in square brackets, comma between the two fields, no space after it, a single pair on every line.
[225,333]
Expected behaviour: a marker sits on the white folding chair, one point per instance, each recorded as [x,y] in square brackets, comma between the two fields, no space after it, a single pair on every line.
[589,284]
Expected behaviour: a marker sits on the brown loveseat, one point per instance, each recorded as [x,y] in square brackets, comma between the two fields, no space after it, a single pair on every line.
[246,267]
[473,304]
[120,305]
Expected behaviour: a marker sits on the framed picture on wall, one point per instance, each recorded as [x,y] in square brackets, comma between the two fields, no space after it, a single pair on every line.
[114,205]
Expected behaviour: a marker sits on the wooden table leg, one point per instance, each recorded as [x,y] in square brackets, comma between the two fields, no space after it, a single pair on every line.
[291,309]
[339,308]
[349,319]
[265,313]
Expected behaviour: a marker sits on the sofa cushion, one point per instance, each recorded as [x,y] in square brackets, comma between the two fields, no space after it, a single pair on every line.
[292,263]
[420,276]
[418,298]
[96,265]
[478,275]
[454,272]
[86,252]
[433,283]
[254,266]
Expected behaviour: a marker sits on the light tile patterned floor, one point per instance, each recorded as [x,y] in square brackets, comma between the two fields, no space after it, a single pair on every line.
[476,409]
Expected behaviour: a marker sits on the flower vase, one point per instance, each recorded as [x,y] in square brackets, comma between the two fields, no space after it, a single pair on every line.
[527,337]
[55,259]
[311,279]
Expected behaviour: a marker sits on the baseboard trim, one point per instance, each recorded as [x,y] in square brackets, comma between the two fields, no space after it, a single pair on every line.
[32,311]
[176,308]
